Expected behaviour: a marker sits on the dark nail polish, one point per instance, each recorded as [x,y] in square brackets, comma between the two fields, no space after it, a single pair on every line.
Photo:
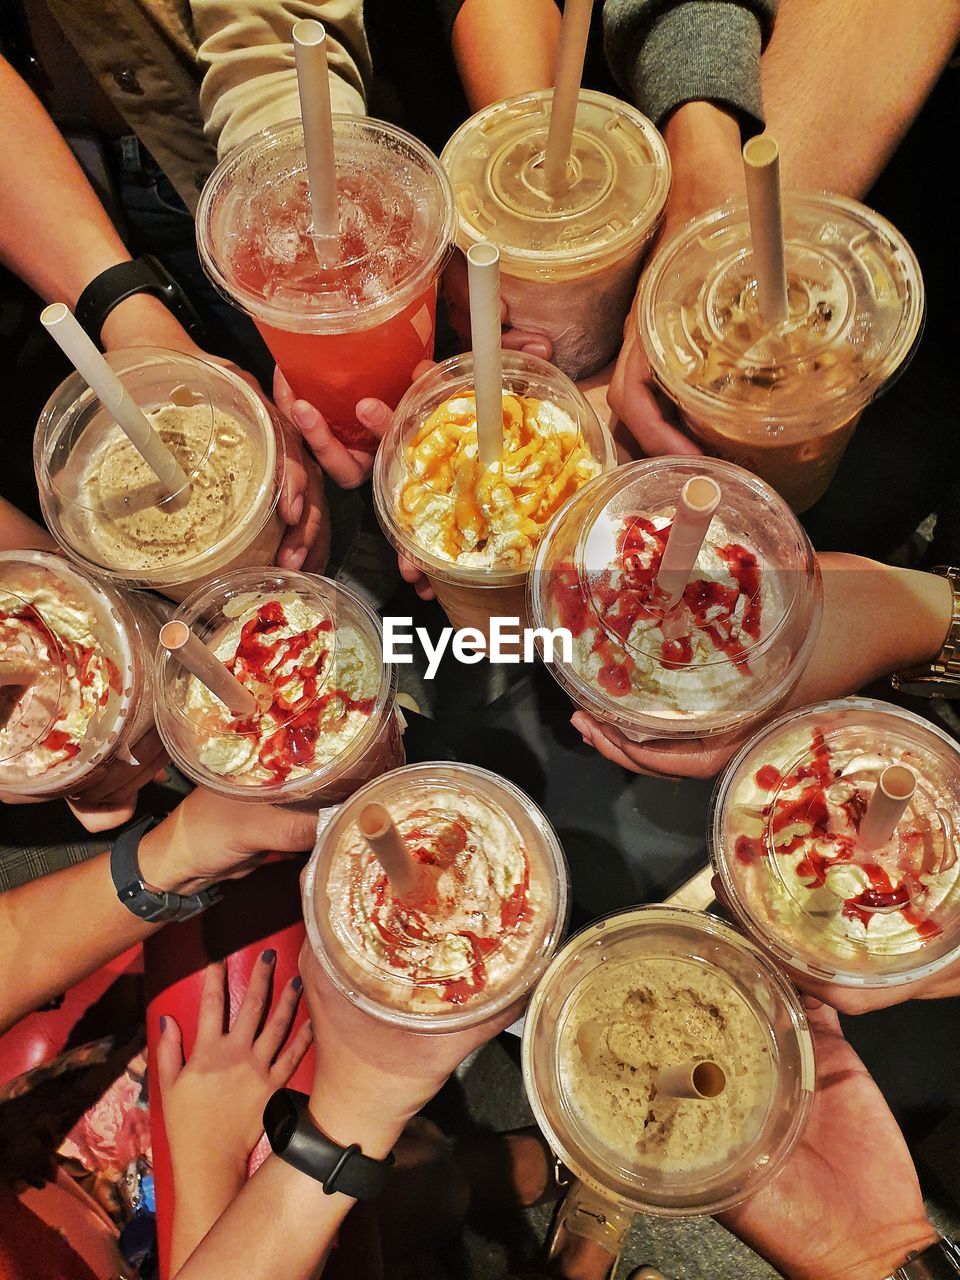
[163,1023]
[297,983]
[268,956]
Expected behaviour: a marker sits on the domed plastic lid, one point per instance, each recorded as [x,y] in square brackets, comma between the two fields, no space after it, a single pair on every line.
[32,680]
[396,226]
[855,297]
[619,174]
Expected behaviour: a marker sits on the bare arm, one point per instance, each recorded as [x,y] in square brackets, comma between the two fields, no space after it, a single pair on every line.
[853,71]
[19,533]
[505,47]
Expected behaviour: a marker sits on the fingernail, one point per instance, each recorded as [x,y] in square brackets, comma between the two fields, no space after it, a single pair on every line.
[538,349]
[296,508]
[374,411]
[297,983]
[163,1023]
[268,956]
[296,557]
[302,414]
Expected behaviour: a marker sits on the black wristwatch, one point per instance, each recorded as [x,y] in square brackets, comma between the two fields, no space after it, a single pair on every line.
[153,905]
[939,1261]
[122,281]
[296,1139]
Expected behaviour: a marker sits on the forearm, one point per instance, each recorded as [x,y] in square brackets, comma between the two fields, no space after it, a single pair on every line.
[505,47]
[18,532]
[200,1197]
[704,144]
[856,70]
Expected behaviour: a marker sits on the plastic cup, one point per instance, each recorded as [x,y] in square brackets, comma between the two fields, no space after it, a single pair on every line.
[89,702]
[359,327]
[784,841]
[489,916]
[474,541]
[106,508]
[782,403]
[734,645]
[642,991]
[312,653]
[568,262]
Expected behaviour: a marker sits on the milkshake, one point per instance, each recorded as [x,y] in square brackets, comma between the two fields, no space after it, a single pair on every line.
[311,653]
[487,911]
[108,510]
[474,531]
[569,259]
[783,402]
[358,325]
[76,694]
[738,637]
[789,842]
[625,1003]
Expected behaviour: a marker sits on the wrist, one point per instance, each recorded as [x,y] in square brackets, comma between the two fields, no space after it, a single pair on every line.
[705,149]
[164,857]
[360,1114]
[141,321]
[882,1263]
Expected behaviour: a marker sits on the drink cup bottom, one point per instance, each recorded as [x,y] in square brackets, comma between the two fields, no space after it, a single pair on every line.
[475,606]
[261,551]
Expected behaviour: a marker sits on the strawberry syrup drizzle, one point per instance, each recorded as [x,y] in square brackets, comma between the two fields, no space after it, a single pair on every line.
[627,594]
[79,661]
[811,807]
[304,716]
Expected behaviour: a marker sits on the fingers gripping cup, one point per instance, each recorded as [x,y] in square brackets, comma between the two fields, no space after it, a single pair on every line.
[668,1063]
[107,508]
[75,690]
[358,324]
[474,530]
[487,907]
[833,874]
[310,652]
[783,401]
[570,257]
[654,663]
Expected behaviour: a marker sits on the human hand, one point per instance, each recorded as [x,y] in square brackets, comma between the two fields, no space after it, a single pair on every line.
[213,1104]
[112,800]
[847,1203]
[347,467]
[457,296]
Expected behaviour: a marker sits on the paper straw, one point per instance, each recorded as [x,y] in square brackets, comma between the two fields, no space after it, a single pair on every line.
[885,808]
[386,842]
[703,1080]
[574,33]
[65,329]
[14,671]
[483,274]
[192,653]
[313,83]
[699,499]
[761,168]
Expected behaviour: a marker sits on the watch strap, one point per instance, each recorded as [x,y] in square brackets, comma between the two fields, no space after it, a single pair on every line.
[297,1140]
[939,1261]
[152,905]
[124,279]
[941,677]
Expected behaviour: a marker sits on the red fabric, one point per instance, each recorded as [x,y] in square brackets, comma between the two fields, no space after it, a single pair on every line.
[260,911]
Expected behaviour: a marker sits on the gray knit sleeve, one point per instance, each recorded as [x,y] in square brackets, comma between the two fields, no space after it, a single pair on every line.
[666,52]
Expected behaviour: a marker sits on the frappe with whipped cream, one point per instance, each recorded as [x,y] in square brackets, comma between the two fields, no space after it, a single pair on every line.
[474,530]
[788,841]
[75,659]
[106,507]
[733,644]
[488,909]
[311,653]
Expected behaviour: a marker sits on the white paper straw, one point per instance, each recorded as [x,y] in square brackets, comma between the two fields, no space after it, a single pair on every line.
[65,329]
[885,807]
[192,653]
[483,273]
[387,844]
[699,499]
[574,33]
[702,1079]
[761,169]
[313,83]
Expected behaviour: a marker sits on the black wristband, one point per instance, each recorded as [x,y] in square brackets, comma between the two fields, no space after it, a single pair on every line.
[122,281]
[152,905]
[296,1140]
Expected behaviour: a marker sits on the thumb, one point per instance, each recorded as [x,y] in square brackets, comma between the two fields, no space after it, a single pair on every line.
[169,1052]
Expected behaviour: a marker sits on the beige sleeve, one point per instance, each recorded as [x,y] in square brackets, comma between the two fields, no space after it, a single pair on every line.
[245,56]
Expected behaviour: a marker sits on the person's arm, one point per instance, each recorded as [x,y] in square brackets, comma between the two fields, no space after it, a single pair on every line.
[245,54]
[503,47]
[19,533]
[856,71]
[58,929]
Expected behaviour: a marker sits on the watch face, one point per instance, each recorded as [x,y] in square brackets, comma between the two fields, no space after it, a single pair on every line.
[280,1120]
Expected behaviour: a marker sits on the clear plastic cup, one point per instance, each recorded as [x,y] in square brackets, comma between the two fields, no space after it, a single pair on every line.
[312,653]
[360,326]
[727,653]
[107,509]
[491,907]
[89,701]
[568,262]
[784,840]
[473,538]
[782,403]
[642,991]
